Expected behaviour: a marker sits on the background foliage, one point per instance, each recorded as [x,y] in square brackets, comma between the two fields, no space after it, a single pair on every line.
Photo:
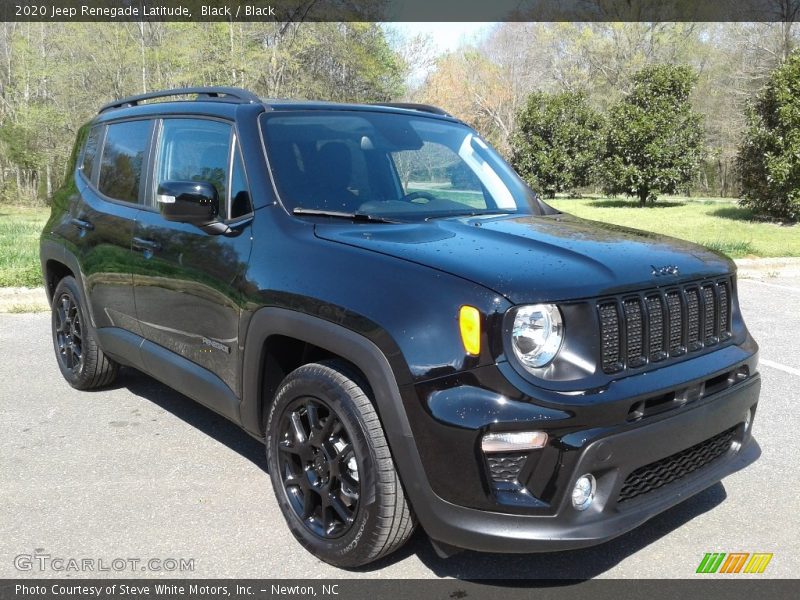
[53,76]
[487,83]
[654,139]
[769,156]
[557,141]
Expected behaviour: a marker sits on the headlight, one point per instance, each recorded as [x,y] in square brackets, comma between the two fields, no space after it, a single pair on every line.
[537,334]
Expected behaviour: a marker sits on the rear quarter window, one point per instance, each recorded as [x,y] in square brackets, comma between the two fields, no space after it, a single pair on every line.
[90,149]
[123,159]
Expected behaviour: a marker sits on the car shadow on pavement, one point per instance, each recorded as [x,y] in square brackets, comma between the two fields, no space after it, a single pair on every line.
[565,565]
[195,414]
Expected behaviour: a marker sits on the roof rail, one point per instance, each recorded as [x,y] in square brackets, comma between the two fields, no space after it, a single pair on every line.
[428,108]
[227,94]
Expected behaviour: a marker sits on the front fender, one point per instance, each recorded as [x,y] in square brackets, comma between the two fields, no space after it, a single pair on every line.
[334,338]
[361,352]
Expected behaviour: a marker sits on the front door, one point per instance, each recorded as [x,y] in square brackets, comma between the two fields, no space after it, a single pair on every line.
[187,289]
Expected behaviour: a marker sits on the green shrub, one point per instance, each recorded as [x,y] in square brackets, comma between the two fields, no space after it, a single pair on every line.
[654,140]
[556,142]
[769,155]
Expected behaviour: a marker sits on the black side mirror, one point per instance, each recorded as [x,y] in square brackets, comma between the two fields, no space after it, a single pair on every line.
[193,202]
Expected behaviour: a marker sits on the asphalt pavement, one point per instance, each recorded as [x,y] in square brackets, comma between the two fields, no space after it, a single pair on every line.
[139,473]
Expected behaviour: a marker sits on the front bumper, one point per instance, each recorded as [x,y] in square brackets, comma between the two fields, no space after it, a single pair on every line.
[611,456]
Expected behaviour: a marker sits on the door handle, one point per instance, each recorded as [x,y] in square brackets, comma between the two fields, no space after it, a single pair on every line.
[82,224]
[143,244]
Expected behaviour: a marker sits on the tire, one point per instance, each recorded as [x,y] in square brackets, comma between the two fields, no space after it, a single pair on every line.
[80,359]
[339,490]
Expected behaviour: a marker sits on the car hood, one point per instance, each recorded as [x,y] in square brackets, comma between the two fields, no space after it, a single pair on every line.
[537,258]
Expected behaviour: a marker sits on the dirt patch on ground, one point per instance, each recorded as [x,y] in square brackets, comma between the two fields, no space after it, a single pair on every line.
[765,268]
[23,300]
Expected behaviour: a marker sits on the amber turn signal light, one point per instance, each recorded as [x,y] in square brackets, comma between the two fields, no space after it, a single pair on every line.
[469,320]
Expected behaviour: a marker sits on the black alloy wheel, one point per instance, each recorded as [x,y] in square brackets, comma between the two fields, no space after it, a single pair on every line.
[81,360]
[331,466]
[319,468]
[68,332]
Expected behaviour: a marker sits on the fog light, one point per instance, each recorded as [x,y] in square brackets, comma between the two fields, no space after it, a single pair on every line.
[513,442]
[583,492]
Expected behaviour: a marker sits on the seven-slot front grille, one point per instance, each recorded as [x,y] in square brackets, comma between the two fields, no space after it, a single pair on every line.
[650,326]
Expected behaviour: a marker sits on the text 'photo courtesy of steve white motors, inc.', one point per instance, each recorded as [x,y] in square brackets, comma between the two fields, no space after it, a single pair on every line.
[177,590]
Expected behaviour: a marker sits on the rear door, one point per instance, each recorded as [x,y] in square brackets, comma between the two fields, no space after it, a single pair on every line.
[113,172]
[188,287]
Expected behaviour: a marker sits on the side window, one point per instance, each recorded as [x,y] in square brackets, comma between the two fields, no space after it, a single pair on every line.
[240,194]
[194,150]
[122,162]
[90,149]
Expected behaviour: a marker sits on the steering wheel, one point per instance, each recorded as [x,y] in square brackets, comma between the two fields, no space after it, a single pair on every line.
[410,197]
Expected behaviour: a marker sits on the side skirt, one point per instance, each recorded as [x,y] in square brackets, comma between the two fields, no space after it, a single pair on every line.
[171,369]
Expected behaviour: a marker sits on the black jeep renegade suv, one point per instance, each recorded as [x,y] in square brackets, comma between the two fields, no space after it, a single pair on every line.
[416,337]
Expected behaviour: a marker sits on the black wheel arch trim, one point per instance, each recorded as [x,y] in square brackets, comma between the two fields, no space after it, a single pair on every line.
[345,343]
[362,353]
[50,250]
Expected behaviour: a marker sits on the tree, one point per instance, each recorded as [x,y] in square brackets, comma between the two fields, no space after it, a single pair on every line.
[557,141]
[333,61]
[47,71]
[472,87]
[654,139]
[769,155]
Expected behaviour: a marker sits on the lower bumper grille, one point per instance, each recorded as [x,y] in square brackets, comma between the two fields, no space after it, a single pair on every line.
[651,477]
[505,468]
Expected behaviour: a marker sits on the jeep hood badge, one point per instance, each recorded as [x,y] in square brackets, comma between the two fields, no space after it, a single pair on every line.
[665,270]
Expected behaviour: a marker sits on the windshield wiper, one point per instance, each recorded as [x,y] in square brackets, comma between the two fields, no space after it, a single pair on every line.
[493,212]
[471,213]
[354,216]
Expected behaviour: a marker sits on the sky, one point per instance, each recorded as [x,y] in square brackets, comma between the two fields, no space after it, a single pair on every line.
[447,36]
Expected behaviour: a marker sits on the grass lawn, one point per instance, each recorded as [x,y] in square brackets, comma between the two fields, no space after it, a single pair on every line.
[718,223]
[19,245]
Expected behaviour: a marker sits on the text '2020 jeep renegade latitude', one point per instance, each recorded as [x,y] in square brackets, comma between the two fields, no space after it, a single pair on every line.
[416,337]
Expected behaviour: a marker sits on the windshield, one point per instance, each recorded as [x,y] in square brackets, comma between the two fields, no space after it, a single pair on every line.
[389,165]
